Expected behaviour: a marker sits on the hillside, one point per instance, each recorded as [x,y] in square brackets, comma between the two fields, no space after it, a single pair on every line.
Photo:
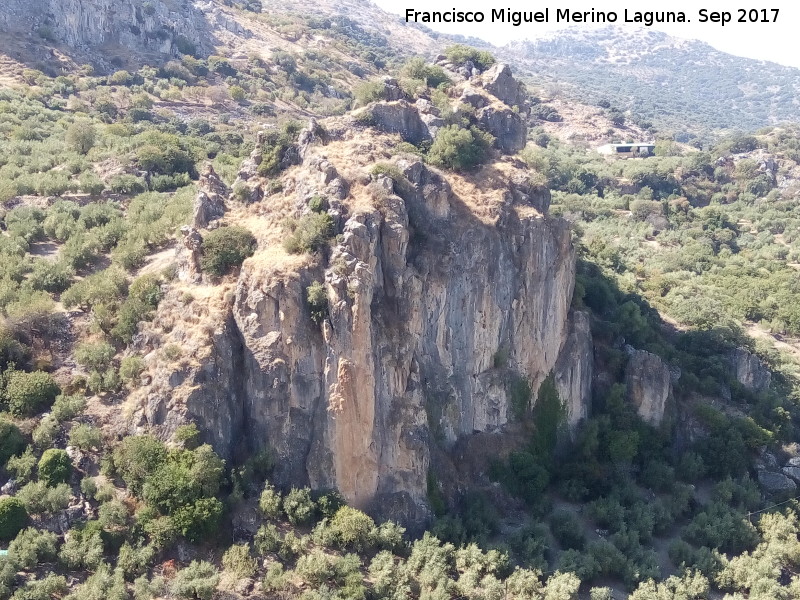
[287,311]
[680,85]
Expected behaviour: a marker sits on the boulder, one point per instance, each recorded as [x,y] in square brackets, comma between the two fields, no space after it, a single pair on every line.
[776,484]
[403,118]
[499,82]
[508,128]
[793,472]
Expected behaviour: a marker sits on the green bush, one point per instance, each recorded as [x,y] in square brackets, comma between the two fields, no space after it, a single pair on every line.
[55,467]
[459,54]
[12,441]
[22,466]
[226,248]
[196,582]
[459,149]
[299,507]
[96,356]
[237,560]
[137,457]
[130,368]
[567,529]
[369,91]
[80,136]
[29,393]
[13,517]
[68,407]
[199,521]
[270,502]
[349,529]
[39,498]
[317,297]
[50,276]
[309,233]
[86,437]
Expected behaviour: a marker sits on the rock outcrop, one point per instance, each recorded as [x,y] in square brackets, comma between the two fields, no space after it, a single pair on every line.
[159,26]
[209,204]
[403,118]
[649,386]
[499,82]
[776,485]
[749,371]
[508,128]
[422,295]
[574,369]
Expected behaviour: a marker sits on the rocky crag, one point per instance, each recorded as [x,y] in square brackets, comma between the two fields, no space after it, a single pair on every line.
[443,293]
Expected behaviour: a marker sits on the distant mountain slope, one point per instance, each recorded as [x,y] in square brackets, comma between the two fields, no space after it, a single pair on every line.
[681,84]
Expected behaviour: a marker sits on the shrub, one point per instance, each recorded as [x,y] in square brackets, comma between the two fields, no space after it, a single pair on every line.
[270,502]
[12,442]
[68,407]
[199,521]
[237,93]
[309,233]
[32,547]
[55,467]
[13,518]
[130,368]
[137,457]
[457,148]
[50,276]
[298,506]
[196,582]
[417,69]
[46,431]
[237,560]
[28,393]
[317,297]
[459,54]
[567,529]
[80,136]
[83,549]
[188,436]
[95,356]
[350,529]
[22,466]
[226,248]
[85,437]
[40,499]
[369,91]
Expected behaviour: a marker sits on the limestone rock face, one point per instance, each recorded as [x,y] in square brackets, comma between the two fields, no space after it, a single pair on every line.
[403,118]
[499,82]
[88,24]
[574,369]
[506,126]
[649,385]
[422,295]
[749,370]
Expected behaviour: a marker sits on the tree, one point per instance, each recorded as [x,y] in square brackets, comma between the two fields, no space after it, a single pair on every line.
[459,149]
[137,457]
[12,442]
[80,136]
[55,467]
[13,518]
[28,393]
[226,248]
